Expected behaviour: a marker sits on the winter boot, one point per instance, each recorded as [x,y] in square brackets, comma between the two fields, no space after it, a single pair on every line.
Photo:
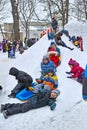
[5,114]
[0,87]
[2,108]
[11,95]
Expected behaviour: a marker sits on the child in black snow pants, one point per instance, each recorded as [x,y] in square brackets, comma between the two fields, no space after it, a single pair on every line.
[24,81]
[41,98]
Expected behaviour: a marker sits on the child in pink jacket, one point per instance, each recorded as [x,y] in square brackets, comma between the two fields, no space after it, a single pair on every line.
[76,72]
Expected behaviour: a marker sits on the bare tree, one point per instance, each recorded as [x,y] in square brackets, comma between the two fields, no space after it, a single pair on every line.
[3,13]
[81,9]
[26,11]
[85,8]
[15,19]
[60,8]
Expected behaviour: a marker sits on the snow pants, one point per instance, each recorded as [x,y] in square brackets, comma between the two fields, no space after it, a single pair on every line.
[18,88]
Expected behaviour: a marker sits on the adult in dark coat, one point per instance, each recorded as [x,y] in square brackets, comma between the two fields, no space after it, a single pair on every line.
[24,81]
[84,88]
[42,98]
[54,24]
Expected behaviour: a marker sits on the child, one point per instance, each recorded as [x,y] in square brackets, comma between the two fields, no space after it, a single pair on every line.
[54,53]
[59,41]
[46,64]
[24,81]
[42,98]
[50,80]
[76,71]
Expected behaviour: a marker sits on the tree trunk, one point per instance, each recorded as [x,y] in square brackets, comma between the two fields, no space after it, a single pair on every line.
[67,10]
[15,19]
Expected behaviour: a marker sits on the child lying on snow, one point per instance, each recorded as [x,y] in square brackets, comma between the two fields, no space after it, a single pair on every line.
[76,71]
[41,98]
[59,41]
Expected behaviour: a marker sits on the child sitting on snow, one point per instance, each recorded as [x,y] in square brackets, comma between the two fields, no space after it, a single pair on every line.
[76,71]
[54,53]
[50,80]
[24,81]
[46,64]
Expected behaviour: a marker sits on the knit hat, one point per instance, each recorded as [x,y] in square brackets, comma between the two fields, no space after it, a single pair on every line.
[50,71]
[52,43]
[56,91]
[73,62]
[46,57]
[13,71]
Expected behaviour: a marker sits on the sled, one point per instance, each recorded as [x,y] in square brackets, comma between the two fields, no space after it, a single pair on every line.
[25,94]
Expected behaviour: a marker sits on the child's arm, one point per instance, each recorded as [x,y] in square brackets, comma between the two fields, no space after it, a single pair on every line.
[52,104]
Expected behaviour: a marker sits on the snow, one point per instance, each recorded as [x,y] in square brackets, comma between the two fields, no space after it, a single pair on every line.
[71,112]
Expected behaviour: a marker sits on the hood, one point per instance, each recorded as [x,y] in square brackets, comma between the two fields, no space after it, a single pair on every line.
[14,71]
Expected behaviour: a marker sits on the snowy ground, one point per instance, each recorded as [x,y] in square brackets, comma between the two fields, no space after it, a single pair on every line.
[71,110]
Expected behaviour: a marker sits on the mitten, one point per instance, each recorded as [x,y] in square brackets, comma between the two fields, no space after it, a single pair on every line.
[39,80]
[30,88]
[69,77]
[67,72]
[52,107]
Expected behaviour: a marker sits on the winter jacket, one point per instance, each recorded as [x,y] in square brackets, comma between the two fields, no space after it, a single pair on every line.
[39,100]
[77,71]
[51,35]
[84,88]
[54,56]
[54,24]
[46,67]
[51,81]
[21,76]
[58,37]
[73,38]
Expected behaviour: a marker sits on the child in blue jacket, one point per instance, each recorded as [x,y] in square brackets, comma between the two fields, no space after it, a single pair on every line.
[46,64]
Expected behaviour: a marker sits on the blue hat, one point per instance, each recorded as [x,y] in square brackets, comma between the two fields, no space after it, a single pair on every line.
[52,43]
[50,71]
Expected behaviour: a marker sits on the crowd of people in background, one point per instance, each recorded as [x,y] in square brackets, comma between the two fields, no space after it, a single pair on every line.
[11,47]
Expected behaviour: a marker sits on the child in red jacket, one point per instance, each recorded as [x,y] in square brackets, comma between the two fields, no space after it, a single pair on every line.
[76,71]
[54,54]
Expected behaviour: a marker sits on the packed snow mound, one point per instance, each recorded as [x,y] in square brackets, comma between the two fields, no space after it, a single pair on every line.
[70,107]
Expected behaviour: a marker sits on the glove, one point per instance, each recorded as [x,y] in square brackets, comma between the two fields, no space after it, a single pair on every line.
[39,80]
[30,88]
[67,72]
[52,107]
[69,77]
